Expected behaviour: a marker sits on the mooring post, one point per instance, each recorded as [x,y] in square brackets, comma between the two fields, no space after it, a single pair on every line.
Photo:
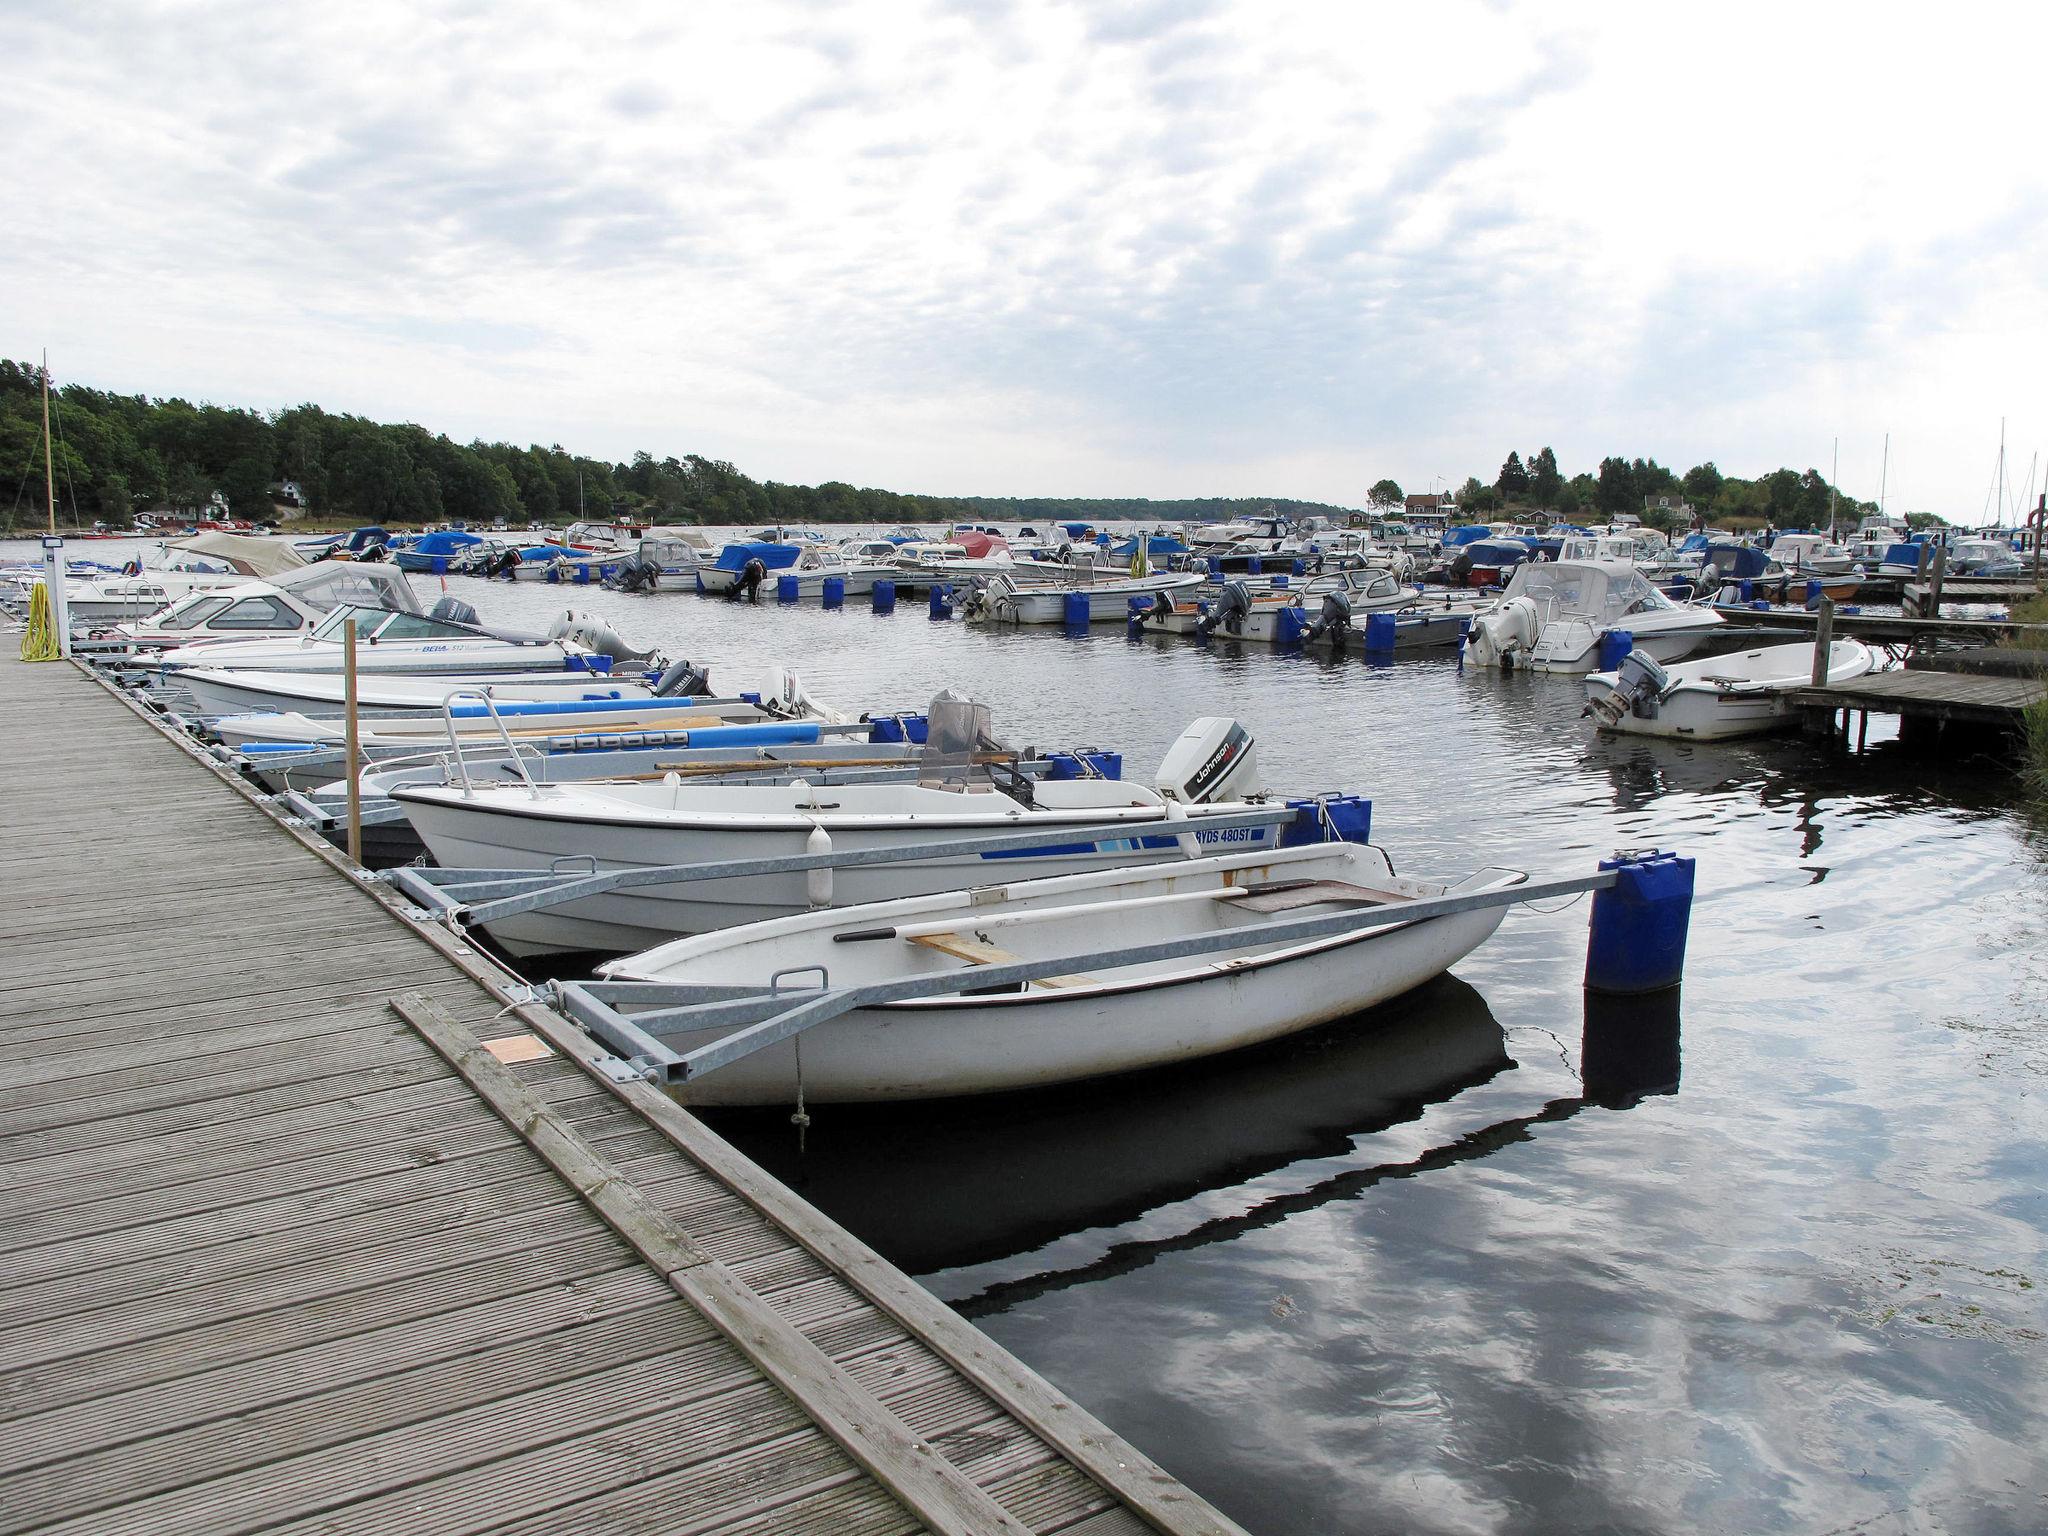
[353,743]
[1823,642]
[1934,580]
[1636,940]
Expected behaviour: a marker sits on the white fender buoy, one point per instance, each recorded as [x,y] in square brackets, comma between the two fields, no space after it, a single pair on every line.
[818,882]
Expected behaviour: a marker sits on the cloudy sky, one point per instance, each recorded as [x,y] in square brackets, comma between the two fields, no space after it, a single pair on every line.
[1060,249]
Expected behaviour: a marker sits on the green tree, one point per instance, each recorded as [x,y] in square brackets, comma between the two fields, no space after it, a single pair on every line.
[246,484]
[1384,495]
[1702,483]
[1615,490]
[1513,481]
[1545,483]
[117,502]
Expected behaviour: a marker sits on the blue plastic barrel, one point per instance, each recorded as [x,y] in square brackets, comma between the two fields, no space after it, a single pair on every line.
[1331,819]
[787,588]
[1255,565]
[1289,625]
[835,591]
[1812,593]
[883,596]
[1075,608]
[1746,590]
[942,601]
[1379,633]
[1636,942]
[1279,583]
[1615,644]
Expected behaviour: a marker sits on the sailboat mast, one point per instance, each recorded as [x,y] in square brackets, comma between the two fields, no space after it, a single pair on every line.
[1883,473]
[1831,478]
[49,464]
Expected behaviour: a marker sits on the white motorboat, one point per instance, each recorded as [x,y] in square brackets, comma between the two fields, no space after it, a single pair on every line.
[1811,554]
[1553,614]
[1320,606]
[285,607]
[420,645]
[1003,599]
[204,562]
[1743,694]
[1080,1024]
[817,565]
[308,706]
[640,825]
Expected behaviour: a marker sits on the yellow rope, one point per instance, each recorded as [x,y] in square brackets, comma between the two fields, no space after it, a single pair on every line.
[40,641]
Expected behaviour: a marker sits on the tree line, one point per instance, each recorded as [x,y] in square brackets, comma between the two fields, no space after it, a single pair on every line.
[116,455]
[1784,497]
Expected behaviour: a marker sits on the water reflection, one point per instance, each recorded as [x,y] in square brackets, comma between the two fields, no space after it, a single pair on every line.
[1630,1048]
[1004,1175]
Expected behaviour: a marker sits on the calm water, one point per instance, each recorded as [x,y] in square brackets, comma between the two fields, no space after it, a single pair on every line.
[1477,1261]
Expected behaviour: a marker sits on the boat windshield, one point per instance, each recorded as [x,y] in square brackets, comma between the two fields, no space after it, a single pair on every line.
[194,610]
[383,624]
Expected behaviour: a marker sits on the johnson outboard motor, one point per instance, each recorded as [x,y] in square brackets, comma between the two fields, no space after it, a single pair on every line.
[752,574]
[1638,685]
[1233,607]
[1334,619]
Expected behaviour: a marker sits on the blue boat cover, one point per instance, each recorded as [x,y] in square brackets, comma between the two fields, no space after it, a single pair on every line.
[774,557]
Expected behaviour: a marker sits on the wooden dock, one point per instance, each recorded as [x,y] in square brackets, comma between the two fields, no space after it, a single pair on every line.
[1880,628]
[310,1223]
[1927,694]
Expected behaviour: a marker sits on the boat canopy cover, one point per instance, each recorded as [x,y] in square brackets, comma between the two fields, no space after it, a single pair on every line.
[978,545]
[1736,561]
[1470,533]
[250,554]
[363,538]
[331,584]
[444,543]
[774,557]
[1497,551]
[1603,590]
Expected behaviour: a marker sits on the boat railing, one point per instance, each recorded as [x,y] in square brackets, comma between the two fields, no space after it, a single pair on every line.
[455,739]
[752,1019]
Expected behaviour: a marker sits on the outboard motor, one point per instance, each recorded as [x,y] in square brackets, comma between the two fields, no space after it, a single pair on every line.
[682,681]
[975,603]
[1461,569]
[956,729]
[371,554]
[1638,685]
[587,629]
[635,575]
[1233,607]
[1214,759]
[752,574]
[455,611]
[503,564]
[1335,616]
[1500,633]
[1162,605]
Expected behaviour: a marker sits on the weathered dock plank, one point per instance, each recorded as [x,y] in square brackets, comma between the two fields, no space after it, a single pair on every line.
[282,1247]
[1927,693]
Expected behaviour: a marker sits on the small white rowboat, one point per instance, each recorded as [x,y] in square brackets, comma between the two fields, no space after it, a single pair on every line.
[1070,1026]
[1743,694]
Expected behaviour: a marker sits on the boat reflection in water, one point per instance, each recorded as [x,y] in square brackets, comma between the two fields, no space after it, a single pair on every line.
[941,1185]
[997,1199]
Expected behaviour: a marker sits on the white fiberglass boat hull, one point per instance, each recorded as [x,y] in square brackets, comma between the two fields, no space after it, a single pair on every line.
[1743,694]
[1108,601]
[229,691]
[1113,1021]
[570,828]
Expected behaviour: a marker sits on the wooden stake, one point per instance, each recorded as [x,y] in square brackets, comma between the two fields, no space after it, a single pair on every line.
[1823,641]
[355,767]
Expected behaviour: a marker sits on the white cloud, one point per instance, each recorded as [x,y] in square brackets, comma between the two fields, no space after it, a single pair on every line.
[1057,248]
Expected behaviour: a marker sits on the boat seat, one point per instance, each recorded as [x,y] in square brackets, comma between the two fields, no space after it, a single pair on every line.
[1288,895]
[981,952]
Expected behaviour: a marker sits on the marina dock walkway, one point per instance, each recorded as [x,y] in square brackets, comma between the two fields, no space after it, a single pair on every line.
[283,1247]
